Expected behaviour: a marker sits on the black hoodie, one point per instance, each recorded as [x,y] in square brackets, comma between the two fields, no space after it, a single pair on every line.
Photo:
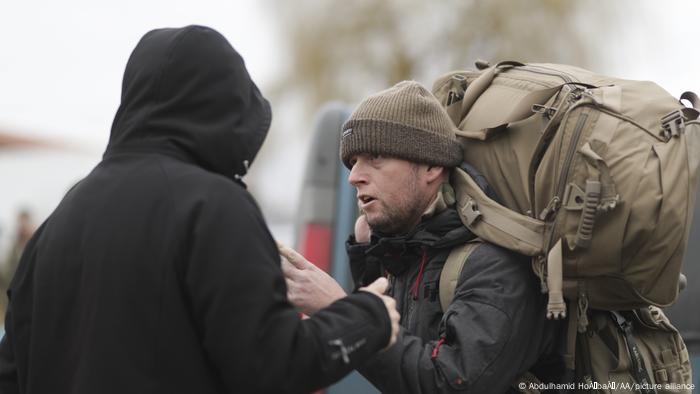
[157,273]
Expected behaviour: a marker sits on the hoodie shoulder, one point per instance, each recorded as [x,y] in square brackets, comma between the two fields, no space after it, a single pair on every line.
[187,179]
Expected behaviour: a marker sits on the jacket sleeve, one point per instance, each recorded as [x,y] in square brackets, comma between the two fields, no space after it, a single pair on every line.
[10,360]
[8,367]
[250,332]
[490,334]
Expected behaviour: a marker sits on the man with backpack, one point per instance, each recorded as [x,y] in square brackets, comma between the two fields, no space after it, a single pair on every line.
[400,147]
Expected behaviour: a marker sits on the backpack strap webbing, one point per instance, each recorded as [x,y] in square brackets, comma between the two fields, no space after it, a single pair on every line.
[639,369]
[494,222]
[452,269]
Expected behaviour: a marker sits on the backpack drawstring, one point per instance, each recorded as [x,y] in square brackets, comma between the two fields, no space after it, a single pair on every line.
[414,290]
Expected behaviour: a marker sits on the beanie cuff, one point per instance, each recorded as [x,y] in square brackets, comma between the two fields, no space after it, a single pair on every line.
[381,137]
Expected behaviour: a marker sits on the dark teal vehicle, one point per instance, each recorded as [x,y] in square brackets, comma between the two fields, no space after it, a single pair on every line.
[328,211]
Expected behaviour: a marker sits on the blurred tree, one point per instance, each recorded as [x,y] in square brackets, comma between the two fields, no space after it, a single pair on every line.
[348,49]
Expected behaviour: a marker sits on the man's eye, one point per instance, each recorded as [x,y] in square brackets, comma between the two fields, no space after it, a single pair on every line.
[375,157]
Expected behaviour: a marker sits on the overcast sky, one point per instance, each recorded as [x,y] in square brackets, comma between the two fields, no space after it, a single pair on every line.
[61,66]
[62,61]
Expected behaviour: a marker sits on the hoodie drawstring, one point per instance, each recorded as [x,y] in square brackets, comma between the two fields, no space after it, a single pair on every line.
[414,290]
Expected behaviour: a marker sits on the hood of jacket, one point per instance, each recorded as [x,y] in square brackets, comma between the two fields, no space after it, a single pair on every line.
[186,92]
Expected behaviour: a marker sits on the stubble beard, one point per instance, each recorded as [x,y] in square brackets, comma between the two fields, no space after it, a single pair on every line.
[400,218]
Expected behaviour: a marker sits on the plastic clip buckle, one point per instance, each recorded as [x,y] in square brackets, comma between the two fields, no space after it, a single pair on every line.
[471,212]
[672,124]
[547,112]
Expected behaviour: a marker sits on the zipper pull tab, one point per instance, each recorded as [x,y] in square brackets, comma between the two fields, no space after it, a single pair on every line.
[552,207]
[575,95]
[582,312]
[539,266]
[458,85]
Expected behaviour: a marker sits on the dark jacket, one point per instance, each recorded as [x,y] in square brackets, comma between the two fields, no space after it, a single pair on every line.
[493,331]
[157,273]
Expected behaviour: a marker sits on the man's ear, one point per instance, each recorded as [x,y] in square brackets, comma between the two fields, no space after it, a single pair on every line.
[435,173]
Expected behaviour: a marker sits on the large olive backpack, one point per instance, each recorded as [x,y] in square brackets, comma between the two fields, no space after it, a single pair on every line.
[596,179]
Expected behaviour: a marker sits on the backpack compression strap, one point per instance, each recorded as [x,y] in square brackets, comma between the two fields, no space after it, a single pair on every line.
[452,269]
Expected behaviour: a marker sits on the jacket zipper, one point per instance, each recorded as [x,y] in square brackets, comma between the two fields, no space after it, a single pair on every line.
[409,299]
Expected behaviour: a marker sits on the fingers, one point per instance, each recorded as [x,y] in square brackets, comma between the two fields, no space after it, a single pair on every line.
[295,294]
[395,318]
[296,259]
[362,230]
[289,270]
[298,270]
[378,286]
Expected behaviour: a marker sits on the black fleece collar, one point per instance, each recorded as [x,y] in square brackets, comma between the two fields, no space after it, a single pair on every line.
[441,231]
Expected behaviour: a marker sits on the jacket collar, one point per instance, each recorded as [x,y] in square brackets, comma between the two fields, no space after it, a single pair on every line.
[440,228]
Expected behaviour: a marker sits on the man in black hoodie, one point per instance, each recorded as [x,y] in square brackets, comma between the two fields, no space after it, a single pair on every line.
[157,273]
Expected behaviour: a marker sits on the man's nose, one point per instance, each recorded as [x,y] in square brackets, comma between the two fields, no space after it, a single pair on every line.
[356,176]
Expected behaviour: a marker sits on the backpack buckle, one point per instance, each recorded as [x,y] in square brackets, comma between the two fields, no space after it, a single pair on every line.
[672,124]
[547,112]
[482,64]
[471,212]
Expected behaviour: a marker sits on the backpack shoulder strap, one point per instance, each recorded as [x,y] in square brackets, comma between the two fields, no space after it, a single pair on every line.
[448,283]
[494,222]
[452,269]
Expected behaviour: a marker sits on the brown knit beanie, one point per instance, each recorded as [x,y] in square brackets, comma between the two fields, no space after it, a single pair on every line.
[405,121]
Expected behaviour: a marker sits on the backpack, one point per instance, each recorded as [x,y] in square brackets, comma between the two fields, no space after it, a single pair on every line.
[629,351]
[596,178]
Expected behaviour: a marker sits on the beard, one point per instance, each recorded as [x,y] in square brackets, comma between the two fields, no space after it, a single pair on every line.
[401,217]
[394,220]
